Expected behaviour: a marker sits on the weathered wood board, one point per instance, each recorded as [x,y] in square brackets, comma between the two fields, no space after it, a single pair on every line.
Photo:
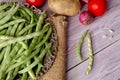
[106,66]
[107,54]
[110,20]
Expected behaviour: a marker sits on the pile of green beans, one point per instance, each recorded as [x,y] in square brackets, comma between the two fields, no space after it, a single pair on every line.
[24,42]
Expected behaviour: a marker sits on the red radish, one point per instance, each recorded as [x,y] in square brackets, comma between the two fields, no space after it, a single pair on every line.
[86,17]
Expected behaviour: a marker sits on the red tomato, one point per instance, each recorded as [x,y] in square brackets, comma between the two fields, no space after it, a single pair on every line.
[97,7]
[37,3]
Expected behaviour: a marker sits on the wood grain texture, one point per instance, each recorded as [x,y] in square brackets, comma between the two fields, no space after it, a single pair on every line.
[107,60]
[100,26]
[106,66]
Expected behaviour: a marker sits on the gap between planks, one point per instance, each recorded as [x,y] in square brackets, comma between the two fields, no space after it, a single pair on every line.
[93,54]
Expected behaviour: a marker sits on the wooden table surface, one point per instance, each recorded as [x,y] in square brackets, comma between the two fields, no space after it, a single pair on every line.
[106,51]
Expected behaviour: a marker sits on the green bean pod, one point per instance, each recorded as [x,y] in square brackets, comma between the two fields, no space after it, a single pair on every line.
[3,14]
[30,13]
[3,7]
[11,23]
[2,55]
[27,28]
[36,61]
[25,14]
[10,75]
[79,46]
[90,52]
[21,25]
[45,38]
[3,32]
[23,61]
[24,77]
[9,16]
[13,30]
[29,36]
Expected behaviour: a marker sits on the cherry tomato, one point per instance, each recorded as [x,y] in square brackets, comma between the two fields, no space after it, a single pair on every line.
[37,3]
[97,7]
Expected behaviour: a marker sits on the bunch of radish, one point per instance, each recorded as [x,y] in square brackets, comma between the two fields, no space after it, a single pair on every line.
[95,8]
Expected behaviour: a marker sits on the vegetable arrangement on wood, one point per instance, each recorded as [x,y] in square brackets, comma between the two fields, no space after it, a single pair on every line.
[95,7]
[24,42]
[68,8]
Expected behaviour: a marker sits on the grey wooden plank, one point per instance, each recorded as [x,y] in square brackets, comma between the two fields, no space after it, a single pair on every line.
[106,66]
[111,19]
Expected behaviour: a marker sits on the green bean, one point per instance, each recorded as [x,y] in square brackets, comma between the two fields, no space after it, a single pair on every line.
[3,37]
[90,52]
[13,30]
[44,39]
[11,23]
[35,40]
[7,59]
[41,59]
[36,61]
[2,55]
[24,45]
[24,77]
[78,49]
[8,47]
[6,55]
[20,51]
[49,50]
[11,53]
[30,31]
[9,16]
[3,14]
[19,57]
[30,13]
[19,28]
[29,36]
[3,31]
[30,72]
[4,63]
[15,17]
[38,28]
[40,21]
[23,61]
[39,67]
[25,14]
[19,39]
[10,75]
[27,28]
[14,50]
[48,46]
[8,31]
[30,66]
[2,7]
[35,18]
[15,72]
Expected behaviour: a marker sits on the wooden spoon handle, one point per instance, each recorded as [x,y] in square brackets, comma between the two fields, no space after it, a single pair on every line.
[57,71]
